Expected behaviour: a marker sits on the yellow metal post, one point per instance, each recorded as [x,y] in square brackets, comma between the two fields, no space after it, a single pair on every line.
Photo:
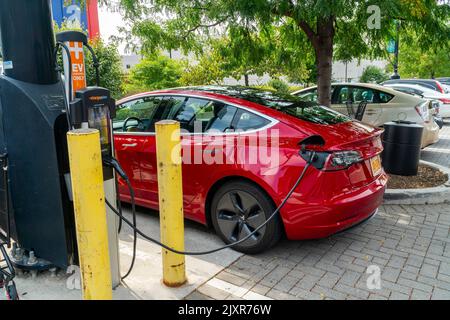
[168,150]
[90,213]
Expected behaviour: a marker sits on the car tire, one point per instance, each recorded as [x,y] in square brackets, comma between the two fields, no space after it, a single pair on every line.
[240,207]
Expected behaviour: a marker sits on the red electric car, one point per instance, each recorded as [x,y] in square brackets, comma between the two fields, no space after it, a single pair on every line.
[242,154]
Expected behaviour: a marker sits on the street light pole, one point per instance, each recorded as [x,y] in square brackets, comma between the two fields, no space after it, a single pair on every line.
[397,44]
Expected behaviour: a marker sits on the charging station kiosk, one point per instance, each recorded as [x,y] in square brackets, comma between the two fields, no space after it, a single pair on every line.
[34,113]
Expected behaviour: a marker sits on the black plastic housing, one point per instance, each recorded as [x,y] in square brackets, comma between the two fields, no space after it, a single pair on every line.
[28,41]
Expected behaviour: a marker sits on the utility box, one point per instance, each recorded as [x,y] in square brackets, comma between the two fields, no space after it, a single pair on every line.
[402,141]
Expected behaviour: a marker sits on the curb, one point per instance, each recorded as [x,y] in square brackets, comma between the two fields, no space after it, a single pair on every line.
[436,195]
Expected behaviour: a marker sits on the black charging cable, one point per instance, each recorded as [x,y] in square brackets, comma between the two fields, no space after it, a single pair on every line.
[113,163]
[231,245]
[66,78]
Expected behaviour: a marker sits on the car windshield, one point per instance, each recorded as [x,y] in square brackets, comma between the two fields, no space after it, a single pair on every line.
[286,103]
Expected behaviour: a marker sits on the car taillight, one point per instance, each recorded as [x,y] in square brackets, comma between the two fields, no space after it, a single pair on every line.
[422,110]
[445,100]
[441,90]
[342,160]
[332,161]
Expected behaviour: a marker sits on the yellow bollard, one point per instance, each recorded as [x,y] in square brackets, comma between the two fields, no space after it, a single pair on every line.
[90,213]
[168,150]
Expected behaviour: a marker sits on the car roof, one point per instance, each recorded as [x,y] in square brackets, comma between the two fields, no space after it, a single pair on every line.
[395,93]
[411,80]
[230,94]
[355,84]
[413,86]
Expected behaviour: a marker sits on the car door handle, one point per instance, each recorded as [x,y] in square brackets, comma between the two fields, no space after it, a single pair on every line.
[129,145]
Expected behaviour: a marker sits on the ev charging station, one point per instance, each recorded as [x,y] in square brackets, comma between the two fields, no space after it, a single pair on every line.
[37,109]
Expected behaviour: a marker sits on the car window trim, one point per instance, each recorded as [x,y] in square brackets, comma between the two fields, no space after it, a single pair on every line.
[272,122]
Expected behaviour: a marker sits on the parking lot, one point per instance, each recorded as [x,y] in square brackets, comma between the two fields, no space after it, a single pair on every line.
[409,244]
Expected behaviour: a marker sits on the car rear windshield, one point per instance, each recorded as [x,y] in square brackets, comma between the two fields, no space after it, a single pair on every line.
[286,103]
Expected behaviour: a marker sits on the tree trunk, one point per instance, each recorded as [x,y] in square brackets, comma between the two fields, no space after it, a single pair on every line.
[247,82]
[324,59]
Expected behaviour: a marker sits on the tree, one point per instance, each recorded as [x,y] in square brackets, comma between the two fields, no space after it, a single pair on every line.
[279,85]
[320,26]
[373,74]
[154,72]
[209,70]
[418,61]
[110,69]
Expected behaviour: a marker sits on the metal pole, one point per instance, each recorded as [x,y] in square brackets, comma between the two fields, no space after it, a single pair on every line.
[397,45]
[168,150]
[90,213]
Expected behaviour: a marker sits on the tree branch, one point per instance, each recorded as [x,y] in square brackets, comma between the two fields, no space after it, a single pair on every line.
[312,36]
[192,30]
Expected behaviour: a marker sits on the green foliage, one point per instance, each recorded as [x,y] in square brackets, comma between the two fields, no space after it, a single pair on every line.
[373,74]
[154,72]
[279,85]
[419,61]
[208,70]
[111,76]
[284,36]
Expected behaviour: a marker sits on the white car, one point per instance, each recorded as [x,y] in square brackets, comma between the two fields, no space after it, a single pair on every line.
[383,105]
[443,98]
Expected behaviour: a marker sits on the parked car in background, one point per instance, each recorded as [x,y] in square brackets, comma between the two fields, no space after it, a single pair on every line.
[427,93]
[429,83]
[383,105]
[445,80]
[239,196]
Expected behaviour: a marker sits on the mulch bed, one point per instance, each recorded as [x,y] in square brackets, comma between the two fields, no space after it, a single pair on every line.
[427,177]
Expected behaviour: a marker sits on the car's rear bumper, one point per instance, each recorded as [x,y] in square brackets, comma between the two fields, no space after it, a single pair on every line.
[322,220]
[430,134]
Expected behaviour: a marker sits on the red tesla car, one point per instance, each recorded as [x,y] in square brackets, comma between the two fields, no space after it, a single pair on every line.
[242,154]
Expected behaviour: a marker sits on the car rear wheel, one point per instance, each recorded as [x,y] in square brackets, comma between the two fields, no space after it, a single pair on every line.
[237,209]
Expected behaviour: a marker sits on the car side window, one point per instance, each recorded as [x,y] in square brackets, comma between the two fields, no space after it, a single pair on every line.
[246,121]
[360,94]
[384,97]
[309,95]
[171,105]
[200,115]
[136,115]
[222,119]
[343,95]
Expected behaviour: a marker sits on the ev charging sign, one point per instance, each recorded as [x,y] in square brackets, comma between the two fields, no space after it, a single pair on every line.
[77,68]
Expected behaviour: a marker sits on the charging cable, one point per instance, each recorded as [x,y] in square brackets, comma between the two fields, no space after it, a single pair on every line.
[198,253]
[66,78]
[113,163]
